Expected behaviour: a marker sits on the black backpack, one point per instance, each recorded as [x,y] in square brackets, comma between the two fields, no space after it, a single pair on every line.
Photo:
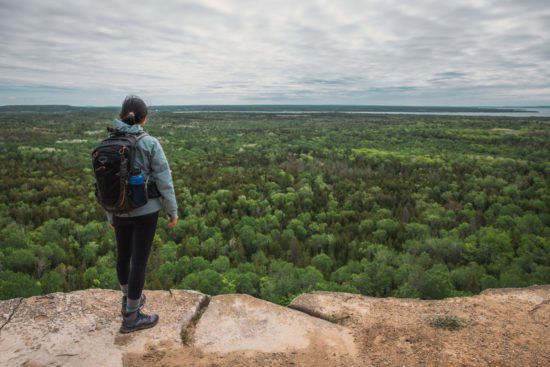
[112,162]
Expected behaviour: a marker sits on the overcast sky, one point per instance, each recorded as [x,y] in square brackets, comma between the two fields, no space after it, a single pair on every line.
[474,52]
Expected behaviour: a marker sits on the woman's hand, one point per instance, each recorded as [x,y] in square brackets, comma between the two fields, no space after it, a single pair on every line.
[173,222]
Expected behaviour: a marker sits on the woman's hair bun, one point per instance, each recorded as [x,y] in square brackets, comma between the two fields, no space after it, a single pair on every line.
[133,110]
[130,118]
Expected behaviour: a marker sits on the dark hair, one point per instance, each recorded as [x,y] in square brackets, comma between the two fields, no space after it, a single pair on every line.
[133,110]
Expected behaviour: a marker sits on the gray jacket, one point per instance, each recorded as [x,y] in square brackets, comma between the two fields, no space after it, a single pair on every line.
[150,158]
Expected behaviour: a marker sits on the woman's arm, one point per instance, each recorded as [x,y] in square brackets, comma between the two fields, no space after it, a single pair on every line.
[163,178]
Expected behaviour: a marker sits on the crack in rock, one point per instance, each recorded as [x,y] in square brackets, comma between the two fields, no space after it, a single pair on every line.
[330,318]
[12,313]
[539,305]
[188,330]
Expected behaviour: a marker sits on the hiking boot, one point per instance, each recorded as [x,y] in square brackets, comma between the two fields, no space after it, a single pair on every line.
[137,320]
[125,300]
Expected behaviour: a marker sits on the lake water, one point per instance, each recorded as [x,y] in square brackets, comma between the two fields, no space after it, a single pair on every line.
[529,112]
[532,112]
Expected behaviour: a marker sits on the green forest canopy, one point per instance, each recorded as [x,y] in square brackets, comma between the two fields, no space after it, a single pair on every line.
[275,205]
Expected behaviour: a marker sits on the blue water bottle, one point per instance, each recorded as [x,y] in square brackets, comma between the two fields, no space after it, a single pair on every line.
[137,188]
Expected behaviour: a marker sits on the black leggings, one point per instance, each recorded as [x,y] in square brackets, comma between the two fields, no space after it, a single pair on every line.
[134,237]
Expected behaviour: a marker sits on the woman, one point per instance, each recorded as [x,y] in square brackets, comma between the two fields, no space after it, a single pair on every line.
[135,230]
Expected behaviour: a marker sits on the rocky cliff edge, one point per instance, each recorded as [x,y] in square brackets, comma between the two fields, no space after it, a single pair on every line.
[507,327]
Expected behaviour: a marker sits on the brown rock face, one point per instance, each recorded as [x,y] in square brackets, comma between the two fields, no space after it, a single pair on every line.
[507,327]
[499,327]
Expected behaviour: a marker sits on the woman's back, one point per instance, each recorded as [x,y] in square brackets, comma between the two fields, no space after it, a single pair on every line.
[150,159]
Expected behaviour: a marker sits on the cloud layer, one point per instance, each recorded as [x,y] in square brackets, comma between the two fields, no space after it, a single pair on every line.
[473,52]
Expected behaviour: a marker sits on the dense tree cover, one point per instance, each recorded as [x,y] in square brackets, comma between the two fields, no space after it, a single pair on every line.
[276,205]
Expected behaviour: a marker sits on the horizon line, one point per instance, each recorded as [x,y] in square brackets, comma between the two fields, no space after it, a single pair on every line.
[285,104]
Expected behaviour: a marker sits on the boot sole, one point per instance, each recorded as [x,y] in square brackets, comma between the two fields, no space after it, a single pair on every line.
[141,327]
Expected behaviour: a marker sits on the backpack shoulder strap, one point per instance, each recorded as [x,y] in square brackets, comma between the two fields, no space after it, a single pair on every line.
[141,135]
[137,138]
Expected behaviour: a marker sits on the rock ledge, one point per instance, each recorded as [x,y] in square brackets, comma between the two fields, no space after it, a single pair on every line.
[500,327]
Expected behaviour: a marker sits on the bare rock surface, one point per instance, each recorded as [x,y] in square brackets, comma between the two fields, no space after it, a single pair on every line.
[82,327]
[499,327]
[240,330]
[239,321]
[502,327]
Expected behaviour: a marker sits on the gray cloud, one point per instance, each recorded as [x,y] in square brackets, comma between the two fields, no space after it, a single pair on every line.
[221,51]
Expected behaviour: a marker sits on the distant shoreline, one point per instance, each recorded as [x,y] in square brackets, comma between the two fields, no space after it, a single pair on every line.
[339,108]
[284,108]
[300,109]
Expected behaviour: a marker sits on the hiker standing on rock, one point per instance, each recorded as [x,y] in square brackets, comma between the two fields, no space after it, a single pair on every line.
[150,188]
